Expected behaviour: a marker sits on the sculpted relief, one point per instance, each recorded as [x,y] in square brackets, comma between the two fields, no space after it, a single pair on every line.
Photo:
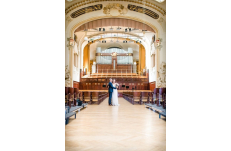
[67,77]
[115,9]
[161,81]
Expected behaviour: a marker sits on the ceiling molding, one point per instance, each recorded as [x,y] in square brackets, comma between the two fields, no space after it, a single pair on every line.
[122,22]
[144,3]
[125,33]
[143,10]
[102,17]
[86,10]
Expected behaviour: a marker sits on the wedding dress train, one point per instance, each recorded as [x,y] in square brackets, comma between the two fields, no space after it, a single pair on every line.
[115,97]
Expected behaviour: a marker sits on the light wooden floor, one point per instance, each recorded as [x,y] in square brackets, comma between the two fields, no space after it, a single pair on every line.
[111,128]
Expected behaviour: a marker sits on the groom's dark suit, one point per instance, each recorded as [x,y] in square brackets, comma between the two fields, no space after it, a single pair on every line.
[110,90]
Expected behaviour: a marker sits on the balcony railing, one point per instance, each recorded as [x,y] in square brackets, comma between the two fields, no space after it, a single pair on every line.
[117,72]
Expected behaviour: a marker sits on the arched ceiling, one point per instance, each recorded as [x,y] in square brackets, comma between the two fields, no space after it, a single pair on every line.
[115,36]
[114,43]
[120,22]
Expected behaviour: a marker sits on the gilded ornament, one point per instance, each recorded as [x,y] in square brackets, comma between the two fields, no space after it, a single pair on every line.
[114,9]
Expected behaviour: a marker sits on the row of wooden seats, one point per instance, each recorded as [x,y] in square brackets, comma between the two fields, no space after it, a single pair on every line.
[159,97]
[92,97]
[159,101]
[137,97]
[70,99]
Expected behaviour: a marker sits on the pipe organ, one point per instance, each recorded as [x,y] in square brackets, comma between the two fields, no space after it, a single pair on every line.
[105,57]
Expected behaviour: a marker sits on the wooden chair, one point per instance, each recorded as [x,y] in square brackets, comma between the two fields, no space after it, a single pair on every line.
[72,99]
[69,100]
[66,90]
[145,97]
[95,97]
[75,98]
[66,100]
[86,97]
[164,103]
[136,97]
[156,96]
[161,94]
[151,97]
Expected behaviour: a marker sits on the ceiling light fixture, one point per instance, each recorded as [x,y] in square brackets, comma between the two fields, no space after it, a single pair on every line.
[118,28]
[85,38]
[160,1]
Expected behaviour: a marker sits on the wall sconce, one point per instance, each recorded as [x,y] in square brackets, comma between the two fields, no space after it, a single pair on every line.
[152,52]
[70,42]
[158,43]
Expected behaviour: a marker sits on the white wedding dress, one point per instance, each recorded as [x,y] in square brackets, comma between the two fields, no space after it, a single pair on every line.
[115,97]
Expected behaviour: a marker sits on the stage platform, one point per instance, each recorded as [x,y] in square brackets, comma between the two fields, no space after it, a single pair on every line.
[113,76]
[119,91]
[118,74]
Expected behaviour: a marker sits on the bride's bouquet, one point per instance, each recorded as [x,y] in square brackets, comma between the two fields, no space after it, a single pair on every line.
[116,84]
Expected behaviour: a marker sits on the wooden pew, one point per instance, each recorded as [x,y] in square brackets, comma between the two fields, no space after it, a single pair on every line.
[128,96]
[104,96]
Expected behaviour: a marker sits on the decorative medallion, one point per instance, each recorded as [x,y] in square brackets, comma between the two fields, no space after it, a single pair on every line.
[143,11]
[114,54]
[86,10]
[115,9]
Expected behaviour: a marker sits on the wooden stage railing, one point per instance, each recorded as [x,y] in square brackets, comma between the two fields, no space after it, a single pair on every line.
[117,73]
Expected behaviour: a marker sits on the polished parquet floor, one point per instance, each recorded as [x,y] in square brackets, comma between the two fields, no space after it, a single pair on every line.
[116,128]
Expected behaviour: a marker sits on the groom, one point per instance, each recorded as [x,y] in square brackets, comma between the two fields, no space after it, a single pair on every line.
[110,90]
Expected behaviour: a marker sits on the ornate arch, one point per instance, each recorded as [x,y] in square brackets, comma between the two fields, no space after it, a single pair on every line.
[73,28]
[114,22]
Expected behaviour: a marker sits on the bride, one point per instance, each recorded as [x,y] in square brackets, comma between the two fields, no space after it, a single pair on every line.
[115,94]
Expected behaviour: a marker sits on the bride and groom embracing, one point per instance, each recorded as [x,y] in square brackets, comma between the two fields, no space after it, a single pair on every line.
[113,94]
